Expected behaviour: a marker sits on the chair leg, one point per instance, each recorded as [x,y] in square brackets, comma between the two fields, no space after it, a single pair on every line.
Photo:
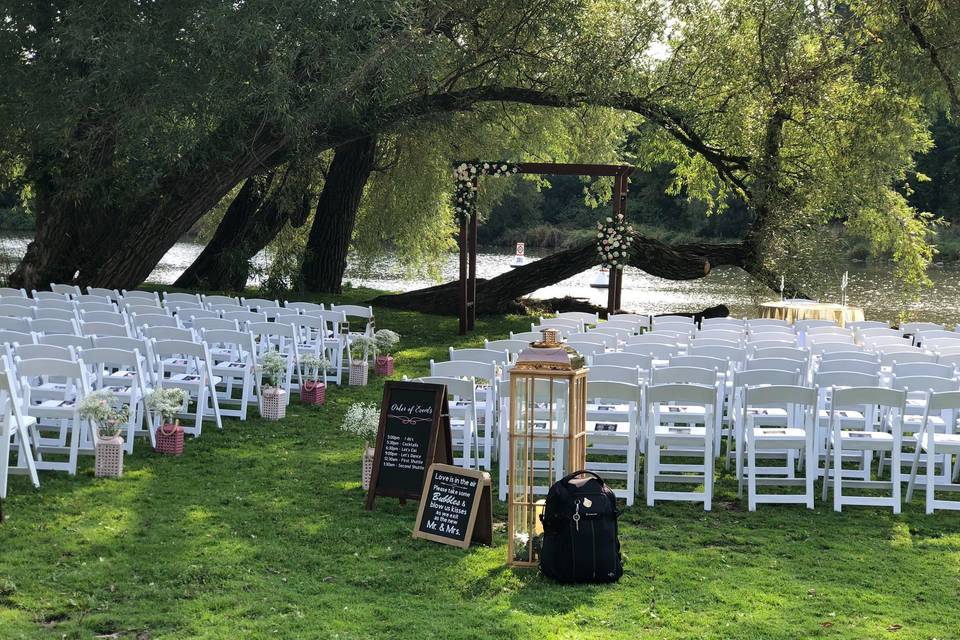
[809,461]
[751,472]
[5,461]
[653,461]
[913,472]
[826,472]
[708,472]
[931,486]
[837,478]
[895,473]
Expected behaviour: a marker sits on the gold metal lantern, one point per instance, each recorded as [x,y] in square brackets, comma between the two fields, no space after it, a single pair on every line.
[547,422]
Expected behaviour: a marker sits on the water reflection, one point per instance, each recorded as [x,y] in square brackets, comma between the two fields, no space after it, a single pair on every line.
[870,287]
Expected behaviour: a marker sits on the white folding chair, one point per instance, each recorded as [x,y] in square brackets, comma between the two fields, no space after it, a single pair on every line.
[171,300]
[305,307]
[586,348]
[500,356]
[284,338]
[15,434]
[49,295]
[527,336]
[486,396]
[270,308]
[613,433]
[624,359]
[741,381]
[656,351]
[512,347]
[124,373]
[220,301]
[234,362]
[357,311]
[10,292]
[613,373]
[796,435]
[110,294]
[930,445]
[57,413]
[665,433]
[868,441]
[463,418]
[583,317]
[193,374]
[105,329]
[68,290]
[14,324]
[50,326]
[141,297]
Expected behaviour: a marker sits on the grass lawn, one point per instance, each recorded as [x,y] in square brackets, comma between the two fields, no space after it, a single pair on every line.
[259,531]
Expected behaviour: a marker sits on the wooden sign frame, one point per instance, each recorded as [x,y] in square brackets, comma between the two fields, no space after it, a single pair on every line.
[439,449]
[479,527]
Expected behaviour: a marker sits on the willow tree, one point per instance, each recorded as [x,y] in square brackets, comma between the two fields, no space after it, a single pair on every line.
[132,120]
[793,107]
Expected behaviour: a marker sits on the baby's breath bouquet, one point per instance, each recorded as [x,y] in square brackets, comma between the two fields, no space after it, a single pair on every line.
[361,420]
[273,367]
[312,366]
[386,340]
[105,410]
[166,402]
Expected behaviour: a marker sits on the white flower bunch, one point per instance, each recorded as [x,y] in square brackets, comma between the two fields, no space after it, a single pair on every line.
[313,364]
[361,420]
[613,241]
[362,346]
[386,340]
[166,402]
[103,408]
[273,367]
[465,190]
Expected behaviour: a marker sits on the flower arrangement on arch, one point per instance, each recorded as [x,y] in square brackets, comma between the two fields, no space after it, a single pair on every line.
[103,408]
[465,193]
[613,241]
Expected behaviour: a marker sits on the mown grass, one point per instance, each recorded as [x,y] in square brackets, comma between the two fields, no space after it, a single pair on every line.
[259,531]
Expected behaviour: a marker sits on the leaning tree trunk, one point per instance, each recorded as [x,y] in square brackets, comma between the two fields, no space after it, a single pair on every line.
[497,295]
[325,259]
[251,222]
[221,265]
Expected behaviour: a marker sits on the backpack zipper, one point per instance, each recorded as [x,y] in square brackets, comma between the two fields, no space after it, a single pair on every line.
[593,545]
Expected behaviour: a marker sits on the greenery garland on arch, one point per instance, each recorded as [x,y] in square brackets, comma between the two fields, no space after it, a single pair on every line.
[465,192]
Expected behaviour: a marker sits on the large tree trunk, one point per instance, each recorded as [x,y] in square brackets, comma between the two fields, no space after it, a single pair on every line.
[325,258]
[498,295]
[251,222]
[223,262]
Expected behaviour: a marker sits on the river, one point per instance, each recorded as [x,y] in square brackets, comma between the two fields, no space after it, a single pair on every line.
[871,287]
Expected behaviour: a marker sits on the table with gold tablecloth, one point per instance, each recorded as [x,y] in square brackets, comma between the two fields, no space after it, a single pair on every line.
[793,311]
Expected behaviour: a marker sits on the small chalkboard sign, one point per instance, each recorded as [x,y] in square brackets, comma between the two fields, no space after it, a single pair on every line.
[414,433]
[455,507]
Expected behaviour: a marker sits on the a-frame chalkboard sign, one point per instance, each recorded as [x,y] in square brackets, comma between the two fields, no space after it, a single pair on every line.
[414,433]
[455,507]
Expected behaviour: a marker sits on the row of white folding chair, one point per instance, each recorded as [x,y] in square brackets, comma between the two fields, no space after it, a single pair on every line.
[931,444]
[125,366]
[485,378]
[584,318]
[16,431]
[468,450]
[50,393]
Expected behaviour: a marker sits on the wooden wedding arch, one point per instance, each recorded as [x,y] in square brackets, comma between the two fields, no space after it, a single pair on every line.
[468,177]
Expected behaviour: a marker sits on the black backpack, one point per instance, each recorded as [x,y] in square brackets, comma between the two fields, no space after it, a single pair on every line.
[580,542]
